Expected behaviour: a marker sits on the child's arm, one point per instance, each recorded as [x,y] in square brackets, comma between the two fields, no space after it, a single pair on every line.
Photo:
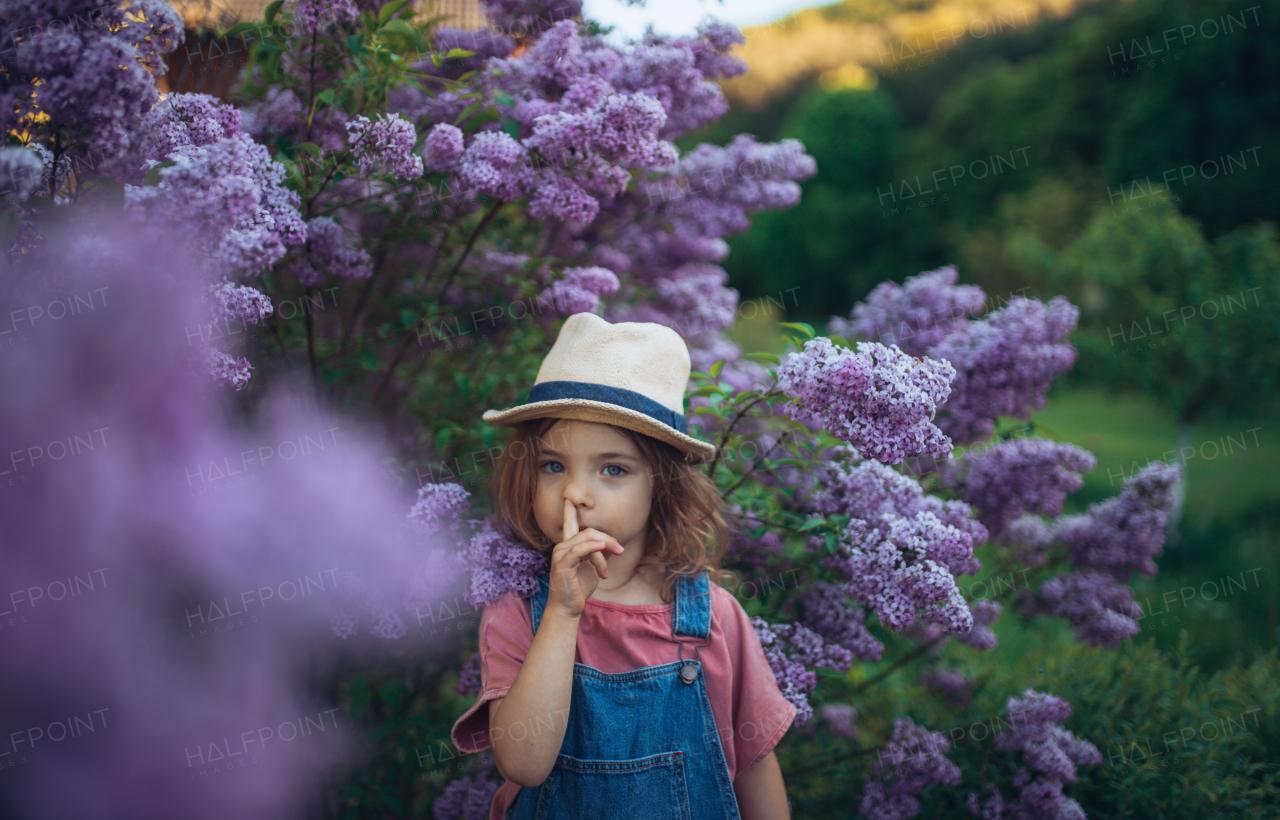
[760,791]
[526,728]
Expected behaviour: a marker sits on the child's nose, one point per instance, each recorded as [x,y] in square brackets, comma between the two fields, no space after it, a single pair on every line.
[577,492]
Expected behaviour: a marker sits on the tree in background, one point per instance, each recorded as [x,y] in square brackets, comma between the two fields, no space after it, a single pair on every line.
[1102,123]
[1182,319]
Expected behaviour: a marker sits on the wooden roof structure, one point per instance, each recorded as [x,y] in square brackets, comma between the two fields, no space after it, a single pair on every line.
[209,64]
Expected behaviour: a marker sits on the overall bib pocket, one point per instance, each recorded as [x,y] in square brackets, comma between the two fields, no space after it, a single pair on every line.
[652,787]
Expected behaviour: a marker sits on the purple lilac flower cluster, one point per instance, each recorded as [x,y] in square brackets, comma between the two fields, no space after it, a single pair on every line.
[1023,475]
[186,119]
[384,146]
[218,368]
[310,15]
[239,303]
[469,682]
[82,69]
[579,290]
[165,544]
[826,612]
[901,548]
[1031,538]
[1106,543]
[879,399]
[469,796]
[671,228]
[896,582]
[793,651]
[329,250]
[226,196]
[913,760]
[981,636]
[762,555]
[529,17]
[1004,361]
[1051,754]
[915,315]
[499,565]
[226,191]
[954,686]
[876,493]
[442,148]
[428,584]
[1102,612]
[840,718]
[1125,533]
[436,505]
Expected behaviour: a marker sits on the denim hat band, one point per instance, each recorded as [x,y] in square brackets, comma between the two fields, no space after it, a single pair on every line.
[629,374]
[631,400]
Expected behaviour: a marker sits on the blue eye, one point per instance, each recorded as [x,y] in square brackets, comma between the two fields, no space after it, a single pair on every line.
[618,467]
[555,464]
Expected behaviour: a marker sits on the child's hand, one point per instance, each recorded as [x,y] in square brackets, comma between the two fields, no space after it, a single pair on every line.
[578,564]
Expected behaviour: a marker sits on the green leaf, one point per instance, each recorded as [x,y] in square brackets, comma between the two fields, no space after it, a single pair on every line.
[830,542]
[237,30]
[399,26]
[389,9]
[153,176]
[458,52]
[512,127]
[716,368]
[503,99]
[763,358]
[326,96]
[269,15]
[698,374]
[468,111]
[812,523]
[803,327]
[310,148]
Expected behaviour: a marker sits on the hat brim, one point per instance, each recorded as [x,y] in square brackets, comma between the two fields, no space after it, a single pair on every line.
[603,413]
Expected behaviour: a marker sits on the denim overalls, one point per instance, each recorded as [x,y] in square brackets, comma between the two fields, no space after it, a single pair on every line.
[641,744]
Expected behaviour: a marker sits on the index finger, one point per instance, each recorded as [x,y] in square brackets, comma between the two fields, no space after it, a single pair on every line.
[570,520]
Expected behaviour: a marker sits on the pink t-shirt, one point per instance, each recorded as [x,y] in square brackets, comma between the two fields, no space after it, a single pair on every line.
[751,713]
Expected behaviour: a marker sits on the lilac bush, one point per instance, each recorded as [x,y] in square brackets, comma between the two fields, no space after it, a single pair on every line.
[475,187]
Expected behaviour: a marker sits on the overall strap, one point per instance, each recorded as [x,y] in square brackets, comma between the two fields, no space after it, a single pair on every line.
[691,614]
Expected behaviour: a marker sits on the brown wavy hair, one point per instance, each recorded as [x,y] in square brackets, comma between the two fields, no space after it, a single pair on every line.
[686,533]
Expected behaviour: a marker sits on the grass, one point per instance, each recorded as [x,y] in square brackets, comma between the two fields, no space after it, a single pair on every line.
[1231,465]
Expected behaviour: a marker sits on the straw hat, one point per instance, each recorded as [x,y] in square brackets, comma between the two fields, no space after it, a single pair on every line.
[629,374]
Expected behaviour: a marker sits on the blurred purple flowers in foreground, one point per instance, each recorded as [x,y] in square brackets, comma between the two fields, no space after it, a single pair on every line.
[189,649]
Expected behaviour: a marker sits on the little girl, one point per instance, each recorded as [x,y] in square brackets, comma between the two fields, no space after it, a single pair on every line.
[631,684]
